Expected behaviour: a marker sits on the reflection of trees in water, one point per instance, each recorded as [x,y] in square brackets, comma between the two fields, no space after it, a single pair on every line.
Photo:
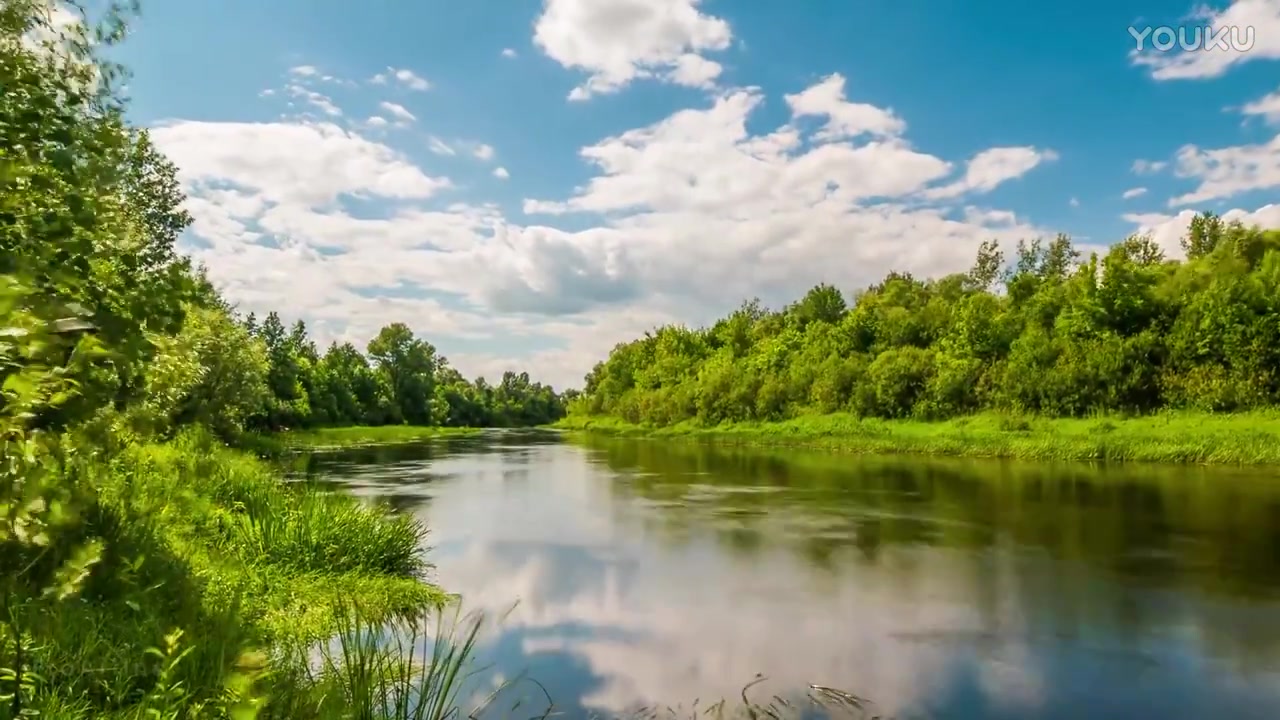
[1139,530]
[742,540]
[516,445]
[406,504]
[1156,524]
[386,471]
[515,477]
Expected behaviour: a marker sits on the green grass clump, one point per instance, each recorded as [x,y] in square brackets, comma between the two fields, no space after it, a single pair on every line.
[317,533]
[1179,437]
[413,668]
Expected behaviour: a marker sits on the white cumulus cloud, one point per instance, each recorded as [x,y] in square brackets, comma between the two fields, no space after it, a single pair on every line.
[402,76]
[399,112]
[309,163]
[1267,106]
[1254,35]
[1227,171]
[989,168]
[440,147]
[619,41]
[317,100]
[1148,167]
[844,119]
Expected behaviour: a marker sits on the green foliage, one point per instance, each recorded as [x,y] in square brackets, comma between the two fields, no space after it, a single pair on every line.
[1052,333]
[88,210]
[401,379]
[211,372]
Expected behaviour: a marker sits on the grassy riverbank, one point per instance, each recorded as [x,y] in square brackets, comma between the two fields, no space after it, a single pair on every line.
[1245,438]
[366,435]
[207,567]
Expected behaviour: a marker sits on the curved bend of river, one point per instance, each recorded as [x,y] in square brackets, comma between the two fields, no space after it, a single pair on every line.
[659,573]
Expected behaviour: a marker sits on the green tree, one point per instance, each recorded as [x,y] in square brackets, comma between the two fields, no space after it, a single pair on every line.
[408,367]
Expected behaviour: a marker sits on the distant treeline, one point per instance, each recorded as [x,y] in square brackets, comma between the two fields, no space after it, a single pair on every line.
[1050,332]
[399,379]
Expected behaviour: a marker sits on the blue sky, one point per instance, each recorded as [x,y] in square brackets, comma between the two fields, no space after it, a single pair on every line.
[548,179]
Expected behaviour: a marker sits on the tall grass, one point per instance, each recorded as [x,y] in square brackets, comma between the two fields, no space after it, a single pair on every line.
[380,670]
[1176,437]
[317,533]
[206,557]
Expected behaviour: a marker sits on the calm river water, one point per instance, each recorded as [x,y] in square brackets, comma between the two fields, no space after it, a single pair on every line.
[650,573]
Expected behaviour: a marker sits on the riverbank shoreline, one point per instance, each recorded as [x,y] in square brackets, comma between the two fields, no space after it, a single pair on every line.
[360,436]
[1174,437]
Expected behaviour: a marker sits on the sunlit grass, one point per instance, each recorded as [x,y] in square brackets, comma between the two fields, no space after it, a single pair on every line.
[1179,437]
[209,543]
[365,435]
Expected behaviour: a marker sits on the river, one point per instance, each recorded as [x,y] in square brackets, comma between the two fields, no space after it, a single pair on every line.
[660,573]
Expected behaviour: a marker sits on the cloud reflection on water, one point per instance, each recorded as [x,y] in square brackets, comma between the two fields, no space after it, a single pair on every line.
[624,603]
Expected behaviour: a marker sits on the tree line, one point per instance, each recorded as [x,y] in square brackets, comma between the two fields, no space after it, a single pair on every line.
[399,378]
[1047,331]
